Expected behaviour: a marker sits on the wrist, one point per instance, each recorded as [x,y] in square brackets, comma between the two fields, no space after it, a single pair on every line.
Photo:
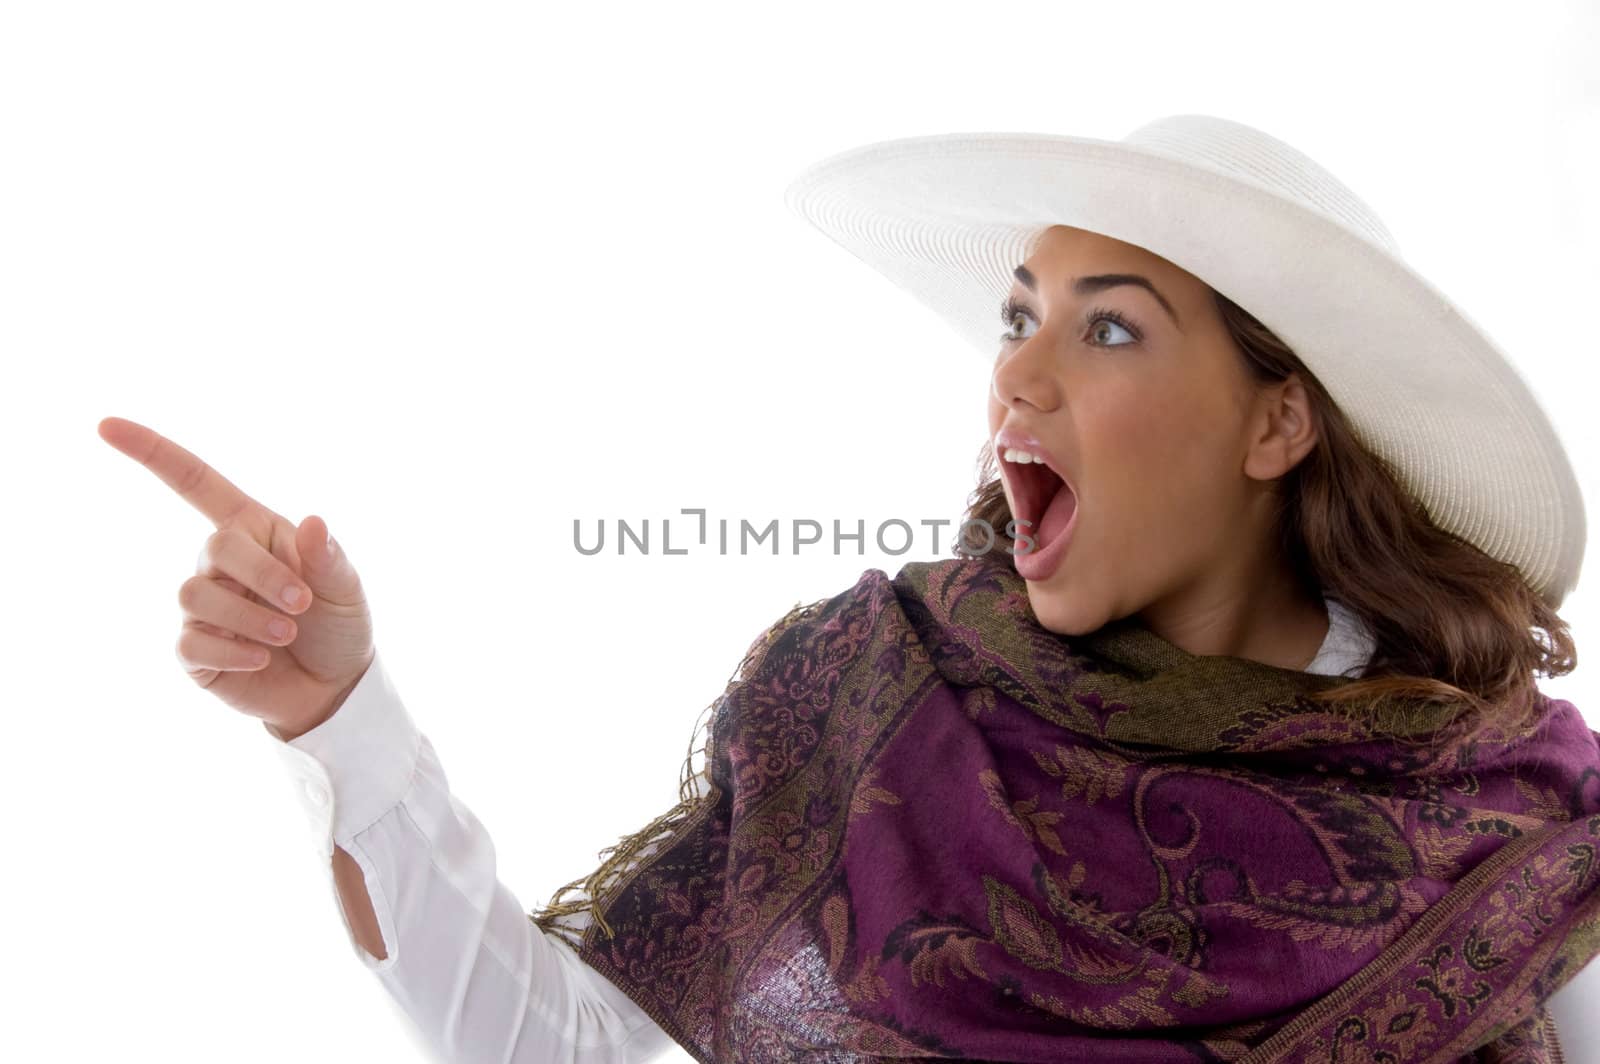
[291,731]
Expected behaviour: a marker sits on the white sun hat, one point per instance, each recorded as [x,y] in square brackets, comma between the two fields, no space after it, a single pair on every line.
[948,216]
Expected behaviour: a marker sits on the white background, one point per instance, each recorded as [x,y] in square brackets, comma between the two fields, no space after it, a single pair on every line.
[451,276]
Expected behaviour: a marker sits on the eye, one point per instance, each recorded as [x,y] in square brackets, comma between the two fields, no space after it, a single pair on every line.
[1010,311]
[1104,319]
[1103,324]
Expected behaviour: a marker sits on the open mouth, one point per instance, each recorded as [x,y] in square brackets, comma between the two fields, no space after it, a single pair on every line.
[1041,501]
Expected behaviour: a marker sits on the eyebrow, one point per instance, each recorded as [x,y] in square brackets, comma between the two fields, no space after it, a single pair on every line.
[1098,282]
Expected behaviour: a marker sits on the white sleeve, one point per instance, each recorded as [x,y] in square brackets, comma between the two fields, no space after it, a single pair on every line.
[1576,1008]
[477,978]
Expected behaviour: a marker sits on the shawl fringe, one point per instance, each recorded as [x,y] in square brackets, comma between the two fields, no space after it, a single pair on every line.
[620,859]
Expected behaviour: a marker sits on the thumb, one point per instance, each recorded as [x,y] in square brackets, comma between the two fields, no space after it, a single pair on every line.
[324,564]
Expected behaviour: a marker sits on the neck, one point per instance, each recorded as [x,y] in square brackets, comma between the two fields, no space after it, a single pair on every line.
[1273,619]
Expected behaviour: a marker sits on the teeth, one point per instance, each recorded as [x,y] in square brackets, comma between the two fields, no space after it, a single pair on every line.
[1011,454]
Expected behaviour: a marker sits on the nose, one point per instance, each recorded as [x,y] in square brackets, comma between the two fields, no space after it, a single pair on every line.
[1027,374]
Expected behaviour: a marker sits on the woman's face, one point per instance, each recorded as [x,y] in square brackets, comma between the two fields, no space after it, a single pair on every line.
[1118,369]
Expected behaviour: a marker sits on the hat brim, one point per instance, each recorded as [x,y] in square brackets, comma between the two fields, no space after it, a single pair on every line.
[947,217]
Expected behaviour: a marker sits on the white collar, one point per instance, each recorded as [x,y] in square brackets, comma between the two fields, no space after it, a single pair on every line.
[1348,646]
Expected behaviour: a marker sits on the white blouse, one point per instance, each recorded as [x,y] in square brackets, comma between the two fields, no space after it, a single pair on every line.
[478,979]
[462,960]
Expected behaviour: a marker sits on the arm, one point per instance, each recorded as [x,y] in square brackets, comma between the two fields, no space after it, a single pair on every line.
[414,875]
[360,917]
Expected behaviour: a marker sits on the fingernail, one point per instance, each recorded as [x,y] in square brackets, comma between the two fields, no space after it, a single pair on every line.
[291,595]
[330,544]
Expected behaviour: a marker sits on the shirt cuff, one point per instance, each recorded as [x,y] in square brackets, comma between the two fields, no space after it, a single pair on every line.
[358,764]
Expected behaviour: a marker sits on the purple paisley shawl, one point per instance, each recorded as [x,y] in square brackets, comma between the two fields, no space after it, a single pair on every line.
[936,829]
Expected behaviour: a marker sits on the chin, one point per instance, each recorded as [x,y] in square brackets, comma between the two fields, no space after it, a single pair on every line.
[1059,612]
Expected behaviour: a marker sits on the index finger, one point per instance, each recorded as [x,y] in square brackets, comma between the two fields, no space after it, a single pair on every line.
[207,490]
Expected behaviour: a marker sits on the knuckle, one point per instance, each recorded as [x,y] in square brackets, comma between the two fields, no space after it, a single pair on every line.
[212,550]
[189,592]
[232,540]
[228,583]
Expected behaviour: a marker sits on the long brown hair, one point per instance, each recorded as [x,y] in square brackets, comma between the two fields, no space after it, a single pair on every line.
[1456,630]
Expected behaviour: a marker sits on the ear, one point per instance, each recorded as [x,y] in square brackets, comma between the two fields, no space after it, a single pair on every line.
[1283,429]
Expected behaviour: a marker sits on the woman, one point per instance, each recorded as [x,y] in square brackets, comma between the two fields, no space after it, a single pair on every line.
[1099,787]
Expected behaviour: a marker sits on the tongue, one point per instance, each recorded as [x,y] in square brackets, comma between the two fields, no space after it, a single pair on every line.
[1056,515]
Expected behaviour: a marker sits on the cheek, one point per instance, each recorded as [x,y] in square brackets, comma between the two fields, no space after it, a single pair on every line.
[1175,419]
[1126,437]
[1148,454]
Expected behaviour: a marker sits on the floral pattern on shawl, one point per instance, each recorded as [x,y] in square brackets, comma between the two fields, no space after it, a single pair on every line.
[935,829]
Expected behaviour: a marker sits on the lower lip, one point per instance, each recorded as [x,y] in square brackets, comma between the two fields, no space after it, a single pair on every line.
[1039,564]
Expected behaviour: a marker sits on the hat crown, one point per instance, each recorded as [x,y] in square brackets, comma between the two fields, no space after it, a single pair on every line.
[1244,152]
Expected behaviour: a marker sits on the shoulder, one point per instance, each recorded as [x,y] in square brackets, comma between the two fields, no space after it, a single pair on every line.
[919,590]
